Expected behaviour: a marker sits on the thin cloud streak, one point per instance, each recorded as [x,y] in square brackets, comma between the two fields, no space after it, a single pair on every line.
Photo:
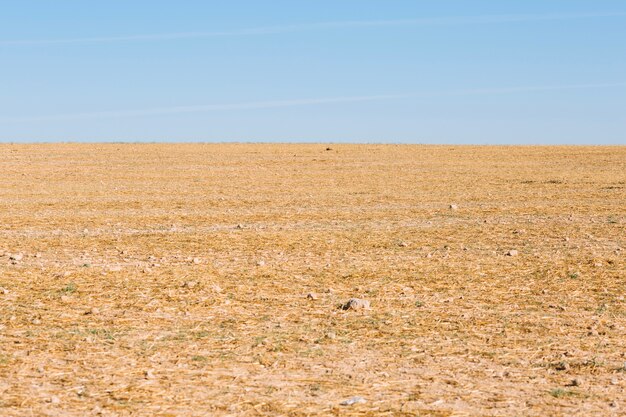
[302,102]
[261,31]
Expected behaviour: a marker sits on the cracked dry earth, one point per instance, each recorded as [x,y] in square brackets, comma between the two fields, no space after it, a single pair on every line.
[206,279]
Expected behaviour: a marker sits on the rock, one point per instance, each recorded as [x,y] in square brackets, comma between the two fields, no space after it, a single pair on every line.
[189,284]
[4,291]
[260,263]
[311,296]
[356,304]
[36,321]
[454,207]
[197,261]
[239,226]
[93,310]
[353,400]
[512,252]
[576,382]
[54,400]
[16,257]
[148,374]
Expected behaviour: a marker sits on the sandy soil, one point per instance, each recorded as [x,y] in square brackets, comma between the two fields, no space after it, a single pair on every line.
[172,280]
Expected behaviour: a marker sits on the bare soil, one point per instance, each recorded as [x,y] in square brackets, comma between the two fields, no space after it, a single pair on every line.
[209,279]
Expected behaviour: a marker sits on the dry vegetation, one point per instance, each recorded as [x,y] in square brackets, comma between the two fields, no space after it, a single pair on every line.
[201,279]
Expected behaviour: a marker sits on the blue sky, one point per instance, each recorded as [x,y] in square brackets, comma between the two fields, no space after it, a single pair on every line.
[446,71]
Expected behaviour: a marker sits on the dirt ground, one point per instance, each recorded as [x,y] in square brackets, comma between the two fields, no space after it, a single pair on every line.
[174,280]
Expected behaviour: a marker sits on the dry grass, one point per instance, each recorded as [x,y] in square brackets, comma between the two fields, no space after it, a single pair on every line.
[108,313]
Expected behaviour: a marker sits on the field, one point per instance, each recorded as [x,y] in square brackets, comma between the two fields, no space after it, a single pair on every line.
[208,279]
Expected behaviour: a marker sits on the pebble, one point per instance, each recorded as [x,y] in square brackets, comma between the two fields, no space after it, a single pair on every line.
[260,263]
[576,382]
[356,304]
[197,261]
[353,400]
[16,257]
[512,253]
[4,291]
[311,296]
[454,207]
[190,284]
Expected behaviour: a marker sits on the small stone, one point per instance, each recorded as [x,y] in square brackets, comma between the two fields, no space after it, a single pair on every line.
[197,261]
[54,400]
[190,284]
[16,257]
[239,226]
[311,296]
[148,374]
[260,263]
[512,252]
[93,310]
[36,322]
[562,366]
[147,270]
[356,304]
[353,401]
[38,255]
[4,291]
[330,335]
[576,382]
[454,207]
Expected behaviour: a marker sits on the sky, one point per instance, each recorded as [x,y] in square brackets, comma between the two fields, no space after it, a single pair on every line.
[365,71]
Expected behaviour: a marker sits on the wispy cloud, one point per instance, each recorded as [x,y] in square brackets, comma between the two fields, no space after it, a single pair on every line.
[302,102]
[260,31]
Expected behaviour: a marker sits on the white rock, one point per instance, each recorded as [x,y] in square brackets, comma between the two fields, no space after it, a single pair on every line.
[353,400]
[356,304]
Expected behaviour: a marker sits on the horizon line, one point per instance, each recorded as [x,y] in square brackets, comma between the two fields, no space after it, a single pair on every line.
[269,30]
